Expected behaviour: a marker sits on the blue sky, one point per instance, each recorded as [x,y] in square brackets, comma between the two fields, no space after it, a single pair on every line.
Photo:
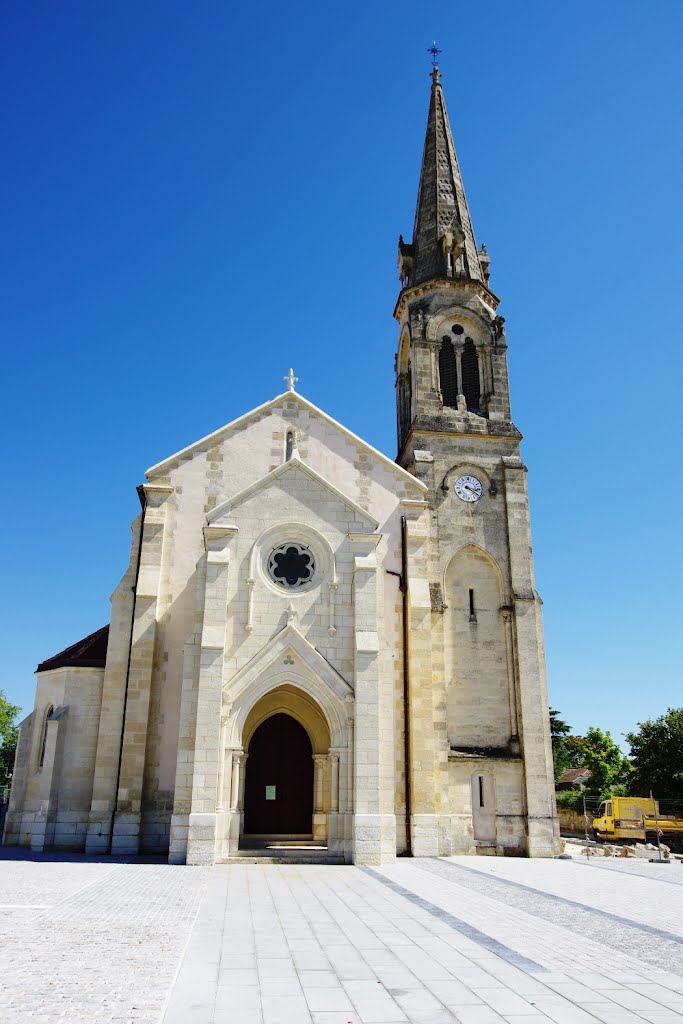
[196,197]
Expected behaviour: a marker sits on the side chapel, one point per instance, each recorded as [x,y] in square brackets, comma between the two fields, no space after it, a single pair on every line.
[311,641]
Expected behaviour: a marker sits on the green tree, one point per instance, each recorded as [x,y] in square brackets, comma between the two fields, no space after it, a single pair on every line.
[559,730]
[8,735]
[657,756]
[608,766]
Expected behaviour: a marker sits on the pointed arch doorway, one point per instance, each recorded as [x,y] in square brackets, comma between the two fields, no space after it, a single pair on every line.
[278,792]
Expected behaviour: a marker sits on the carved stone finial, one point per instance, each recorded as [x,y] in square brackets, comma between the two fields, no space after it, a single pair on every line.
[290,380]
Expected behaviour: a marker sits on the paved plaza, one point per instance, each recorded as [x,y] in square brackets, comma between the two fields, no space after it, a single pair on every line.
[469,940]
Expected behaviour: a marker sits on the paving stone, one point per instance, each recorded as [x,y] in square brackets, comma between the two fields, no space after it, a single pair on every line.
[89,943]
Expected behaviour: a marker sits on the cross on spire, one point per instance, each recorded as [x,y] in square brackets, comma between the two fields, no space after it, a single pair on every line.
[435,51]
[290,380]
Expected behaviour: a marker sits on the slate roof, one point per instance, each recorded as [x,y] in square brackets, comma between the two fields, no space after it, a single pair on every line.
[90,652]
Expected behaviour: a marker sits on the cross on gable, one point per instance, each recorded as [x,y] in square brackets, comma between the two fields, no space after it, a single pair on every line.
[290,380]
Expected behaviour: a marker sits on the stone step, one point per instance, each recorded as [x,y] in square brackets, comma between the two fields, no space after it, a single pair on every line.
[284,851]
[300,857]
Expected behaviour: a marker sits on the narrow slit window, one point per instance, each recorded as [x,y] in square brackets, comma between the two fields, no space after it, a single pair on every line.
[473,614]
[43,741]
[481,790]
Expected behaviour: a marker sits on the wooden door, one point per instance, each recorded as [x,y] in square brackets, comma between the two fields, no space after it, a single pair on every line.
[278,792]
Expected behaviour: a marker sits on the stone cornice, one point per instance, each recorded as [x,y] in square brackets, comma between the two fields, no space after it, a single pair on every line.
[417,291]
[513,437]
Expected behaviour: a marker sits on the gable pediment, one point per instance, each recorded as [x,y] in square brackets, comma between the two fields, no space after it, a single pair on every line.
[304,657]
[275,408]
[223,511]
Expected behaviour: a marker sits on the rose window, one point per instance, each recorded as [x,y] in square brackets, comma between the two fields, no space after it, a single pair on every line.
[291,566]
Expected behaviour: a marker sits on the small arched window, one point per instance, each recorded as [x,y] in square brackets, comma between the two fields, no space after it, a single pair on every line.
[43,739]
[448,376]
[470,375]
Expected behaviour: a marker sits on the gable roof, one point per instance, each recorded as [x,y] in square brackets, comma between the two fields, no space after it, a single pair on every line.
[290,466]
[210,439]
[90,652]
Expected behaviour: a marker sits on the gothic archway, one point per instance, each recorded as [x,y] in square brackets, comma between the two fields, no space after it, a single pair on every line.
[278,795]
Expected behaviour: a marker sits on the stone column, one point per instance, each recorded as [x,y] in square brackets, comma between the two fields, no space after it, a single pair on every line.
[374,829]
[482,373]
[318,780]
[125,837]
[532,688]
[460,398]
[242,769]
[220,795]
[201,842]
[334,761]
[489,371]
[436,349]
[350,750]
[235,786]
[428,770]
[184,772]
[434,353]
[510,659]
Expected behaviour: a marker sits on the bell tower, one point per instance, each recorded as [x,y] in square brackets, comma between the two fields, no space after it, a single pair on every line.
[451,362]
[478,706]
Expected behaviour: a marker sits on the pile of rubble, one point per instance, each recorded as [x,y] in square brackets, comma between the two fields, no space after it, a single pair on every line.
[643,851]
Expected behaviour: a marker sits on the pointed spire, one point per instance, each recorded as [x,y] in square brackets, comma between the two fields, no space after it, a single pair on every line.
[443,239]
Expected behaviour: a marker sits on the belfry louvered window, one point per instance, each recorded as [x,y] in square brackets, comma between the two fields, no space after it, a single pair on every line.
[470,375]
[448,376]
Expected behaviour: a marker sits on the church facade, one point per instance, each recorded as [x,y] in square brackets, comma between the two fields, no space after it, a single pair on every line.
[313,643]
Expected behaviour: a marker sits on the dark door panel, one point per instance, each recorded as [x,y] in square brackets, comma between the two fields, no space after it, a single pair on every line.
[278,792]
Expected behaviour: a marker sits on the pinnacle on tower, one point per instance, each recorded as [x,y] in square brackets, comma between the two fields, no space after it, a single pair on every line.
[443,240]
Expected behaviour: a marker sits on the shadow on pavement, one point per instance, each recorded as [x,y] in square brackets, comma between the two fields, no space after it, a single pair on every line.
[22,853]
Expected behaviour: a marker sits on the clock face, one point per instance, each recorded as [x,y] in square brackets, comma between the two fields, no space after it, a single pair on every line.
[468,488]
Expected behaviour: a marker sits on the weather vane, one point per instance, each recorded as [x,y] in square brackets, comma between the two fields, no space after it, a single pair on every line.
[435,51]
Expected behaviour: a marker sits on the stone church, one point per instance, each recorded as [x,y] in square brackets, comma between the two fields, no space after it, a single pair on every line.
[313,643]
